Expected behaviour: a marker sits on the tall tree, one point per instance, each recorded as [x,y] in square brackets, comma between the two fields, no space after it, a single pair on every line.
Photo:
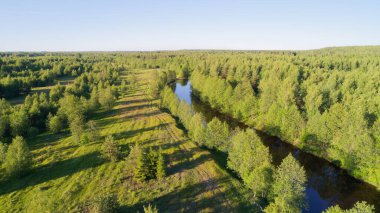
[18,159]
[288,187]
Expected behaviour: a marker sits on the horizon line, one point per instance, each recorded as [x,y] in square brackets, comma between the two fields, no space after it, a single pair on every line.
[178,50]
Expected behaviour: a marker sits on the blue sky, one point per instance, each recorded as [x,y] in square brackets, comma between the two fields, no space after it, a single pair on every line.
[84,25]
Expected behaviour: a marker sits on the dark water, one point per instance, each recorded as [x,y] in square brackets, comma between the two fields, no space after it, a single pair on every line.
[327,184]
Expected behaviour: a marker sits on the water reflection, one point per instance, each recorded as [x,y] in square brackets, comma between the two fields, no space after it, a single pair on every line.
[327,185]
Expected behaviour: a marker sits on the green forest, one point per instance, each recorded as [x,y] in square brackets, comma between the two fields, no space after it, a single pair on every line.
[116,138]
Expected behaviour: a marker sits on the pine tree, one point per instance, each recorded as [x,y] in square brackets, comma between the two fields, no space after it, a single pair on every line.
[160,169]
[141,170]
[152,163]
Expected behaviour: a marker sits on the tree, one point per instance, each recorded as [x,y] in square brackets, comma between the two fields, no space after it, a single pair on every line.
[18,159]
[141,172]
[252,161]
[55,124]
[288,187]
[93,132]
[56,92]
[110,149]
[217,135]
[359,207]
[76,128]
[3,152]
[4,123]
[197,129]
[106,98]
[160,170]
[19,122]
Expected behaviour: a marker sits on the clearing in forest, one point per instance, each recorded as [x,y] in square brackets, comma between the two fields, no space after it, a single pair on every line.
[66,174]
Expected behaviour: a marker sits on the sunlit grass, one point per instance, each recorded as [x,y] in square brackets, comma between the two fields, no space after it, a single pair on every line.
[67,173]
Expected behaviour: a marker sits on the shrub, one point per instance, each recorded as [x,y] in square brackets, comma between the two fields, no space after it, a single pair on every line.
[102,204]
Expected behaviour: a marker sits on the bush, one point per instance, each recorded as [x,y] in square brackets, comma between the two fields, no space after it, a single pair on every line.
[102,204]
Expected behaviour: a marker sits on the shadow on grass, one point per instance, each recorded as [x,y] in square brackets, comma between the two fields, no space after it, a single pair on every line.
[186,163]
[50,172]
[121,119]
[131,133]
[191,199]
[42,140]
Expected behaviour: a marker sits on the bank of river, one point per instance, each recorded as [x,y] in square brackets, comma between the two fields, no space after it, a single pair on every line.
[327,184]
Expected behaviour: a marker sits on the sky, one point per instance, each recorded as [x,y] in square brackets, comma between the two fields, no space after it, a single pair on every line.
[142,25]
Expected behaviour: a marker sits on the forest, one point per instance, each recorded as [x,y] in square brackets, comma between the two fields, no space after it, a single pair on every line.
[117,138]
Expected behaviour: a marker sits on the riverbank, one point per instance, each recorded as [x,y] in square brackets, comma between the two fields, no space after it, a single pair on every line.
[327,183]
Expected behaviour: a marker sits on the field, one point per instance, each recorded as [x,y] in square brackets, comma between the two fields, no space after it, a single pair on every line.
[67,174]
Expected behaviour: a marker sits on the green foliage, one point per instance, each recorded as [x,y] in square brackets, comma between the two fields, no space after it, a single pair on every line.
[251,161]
[55,124]
[93,131]
[149,165]
[19,122]
[106,98]
[197,129]
[288,187]
[3,152]
[110,149]
[217,135]
[359,207]
[102,204]
[77,128]
[160,168]
[18,159]
[141,172]
[150,209]
[57,92]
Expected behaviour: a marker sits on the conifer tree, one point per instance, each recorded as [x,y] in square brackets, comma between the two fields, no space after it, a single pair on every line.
[160,170]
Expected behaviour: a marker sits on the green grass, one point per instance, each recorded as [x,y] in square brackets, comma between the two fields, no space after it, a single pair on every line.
[65,80]
[67,174]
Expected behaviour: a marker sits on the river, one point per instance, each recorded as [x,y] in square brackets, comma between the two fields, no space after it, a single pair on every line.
[327,184]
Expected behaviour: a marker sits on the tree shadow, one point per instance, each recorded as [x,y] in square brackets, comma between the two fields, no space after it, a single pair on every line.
[131,133]
[42,140]
[50,172]
[190,199]
[186,161]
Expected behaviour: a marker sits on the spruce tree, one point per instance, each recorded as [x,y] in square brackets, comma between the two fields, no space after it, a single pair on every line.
[160,169]
[141,170]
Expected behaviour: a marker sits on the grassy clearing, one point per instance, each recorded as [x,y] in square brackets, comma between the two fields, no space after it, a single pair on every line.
[67,174]
[65,80]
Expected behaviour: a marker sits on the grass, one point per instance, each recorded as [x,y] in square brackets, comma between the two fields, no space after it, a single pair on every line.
[64,80]
[67,174]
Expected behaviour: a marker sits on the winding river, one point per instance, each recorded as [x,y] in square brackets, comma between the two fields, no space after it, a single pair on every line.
[327,184]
